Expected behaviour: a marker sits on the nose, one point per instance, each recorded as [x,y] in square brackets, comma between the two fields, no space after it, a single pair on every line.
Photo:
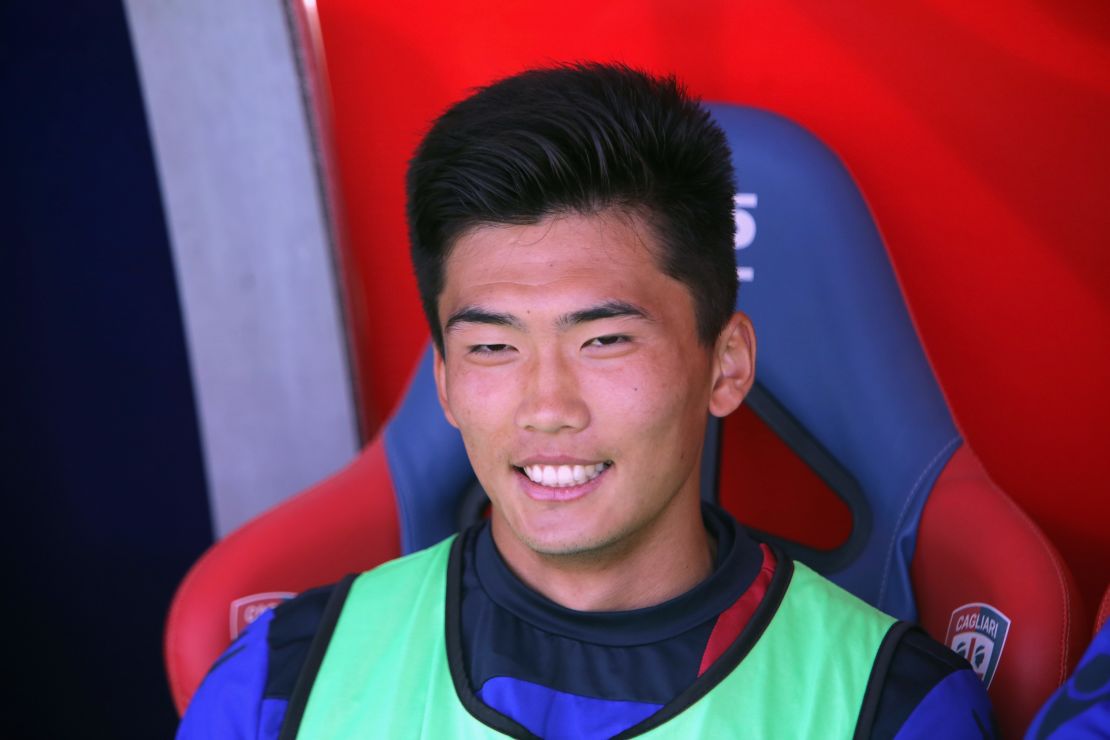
[552,400]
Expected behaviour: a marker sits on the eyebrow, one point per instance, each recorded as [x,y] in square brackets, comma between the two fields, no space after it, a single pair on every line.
[478,315]
[607,310]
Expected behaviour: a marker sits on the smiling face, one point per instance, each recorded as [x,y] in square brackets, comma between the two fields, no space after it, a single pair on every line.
[573,370]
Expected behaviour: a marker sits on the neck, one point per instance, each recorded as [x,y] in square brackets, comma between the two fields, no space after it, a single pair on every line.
[666,558]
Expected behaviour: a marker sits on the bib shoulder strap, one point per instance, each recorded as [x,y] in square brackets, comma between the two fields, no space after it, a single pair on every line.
[875,683]
[299,698]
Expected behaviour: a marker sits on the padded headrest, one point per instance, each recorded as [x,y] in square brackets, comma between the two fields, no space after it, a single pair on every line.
[837,351]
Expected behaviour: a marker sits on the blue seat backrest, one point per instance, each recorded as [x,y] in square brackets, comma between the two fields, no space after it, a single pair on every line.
[837,353]
[836,346]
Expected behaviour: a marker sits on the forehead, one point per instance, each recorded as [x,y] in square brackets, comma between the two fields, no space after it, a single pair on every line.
[612,255]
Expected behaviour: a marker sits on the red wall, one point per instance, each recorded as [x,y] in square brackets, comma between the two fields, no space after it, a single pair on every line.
[979,135]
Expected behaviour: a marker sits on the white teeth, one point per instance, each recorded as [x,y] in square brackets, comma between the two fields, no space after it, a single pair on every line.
[562,476]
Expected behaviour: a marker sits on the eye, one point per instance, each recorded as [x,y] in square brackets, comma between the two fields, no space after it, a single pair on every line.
[608,340]
[489,350]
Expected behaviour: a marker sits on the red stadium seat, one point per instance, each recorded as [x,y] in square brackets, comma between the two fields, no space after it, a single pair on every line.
[842,379]
[344,524]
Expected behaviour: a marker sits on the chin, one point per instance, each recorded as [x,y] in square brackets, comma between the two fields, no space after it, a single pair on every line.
[568,543]
[560,548]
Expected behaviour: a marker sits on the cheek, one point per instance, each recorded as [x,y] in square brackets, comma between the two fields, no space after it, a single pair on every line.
[481,403]
[660,397]
[473,394]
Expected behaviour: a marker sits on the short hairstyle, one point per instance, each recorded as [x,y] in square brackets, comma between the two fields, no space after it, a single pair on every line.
[580,139]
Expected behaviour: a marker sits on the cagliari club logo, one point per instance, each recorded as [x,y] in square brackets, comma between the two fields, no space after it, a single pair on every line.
[246,609]
[978,633]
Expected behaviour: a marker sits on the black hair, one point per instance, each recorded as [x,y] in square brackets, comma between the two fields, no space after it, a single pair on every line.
[580,139]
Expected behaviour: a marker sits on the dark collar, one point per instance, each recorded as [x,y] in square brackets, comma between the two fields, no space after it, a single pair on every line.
[738,561]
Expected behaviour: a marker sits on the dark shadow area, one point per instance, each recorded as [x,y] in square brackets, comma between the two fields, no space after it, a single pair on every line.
[105,504]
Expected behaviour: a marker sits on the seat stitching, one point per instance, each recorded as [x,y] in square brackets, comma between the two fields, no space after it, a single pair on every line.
[902,515]
[1042,540]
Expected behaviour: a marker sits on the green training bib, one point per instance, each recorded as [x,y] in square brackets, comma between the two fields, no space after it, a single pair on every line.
[386,672]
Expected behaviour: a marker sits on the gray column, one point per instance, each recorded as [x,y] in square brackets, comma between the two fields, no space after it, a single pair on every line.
[252,249]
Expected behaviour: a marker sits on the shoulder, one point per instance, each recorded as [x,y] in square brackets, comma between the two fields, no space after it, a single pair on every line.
[918,688]
[853,622]
[1081,707]
[247,690]
[826,594]
[294,626]
[389,588]
[921,689]
[429,559]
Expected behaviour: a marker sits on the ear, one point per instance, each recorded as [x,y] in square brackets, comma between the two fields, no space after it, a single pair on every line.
[733,365]
[440,372]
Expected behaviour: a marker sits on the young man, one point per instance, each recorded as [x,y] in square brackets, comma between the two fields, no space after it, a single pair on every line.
[572,235]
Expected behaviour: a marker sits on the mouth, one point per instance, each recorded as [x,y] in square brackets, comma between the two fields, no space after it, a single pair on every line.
[563,476]
[561,482]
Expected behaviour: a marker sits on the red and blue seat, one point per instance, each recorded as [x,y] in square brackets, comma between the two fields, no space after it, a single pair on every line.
[842,378]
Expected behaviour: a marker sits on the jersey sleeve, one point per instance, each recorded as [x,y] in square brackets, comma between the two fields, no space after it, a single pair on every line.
[928,691]
[247,690]
[230,703]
